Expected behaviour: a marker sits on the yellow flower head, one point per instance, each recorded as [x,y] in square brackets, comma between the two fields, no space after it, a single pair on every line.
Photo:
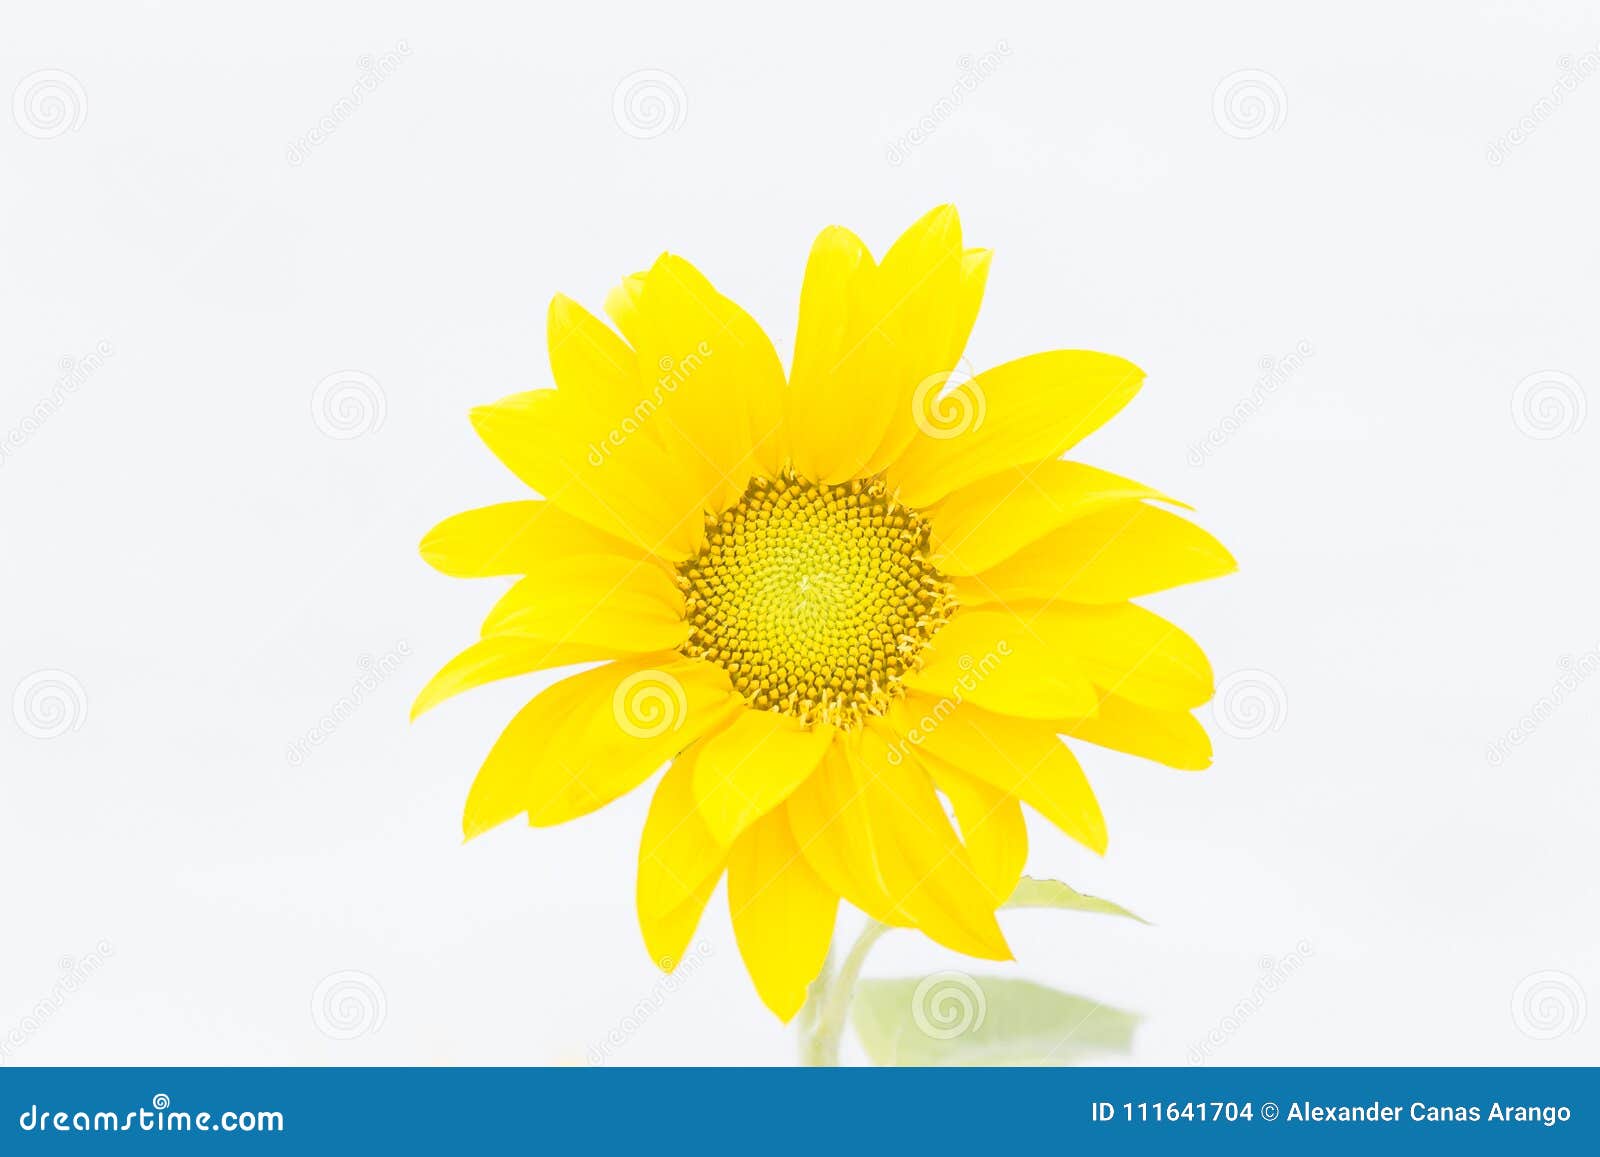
[824,601]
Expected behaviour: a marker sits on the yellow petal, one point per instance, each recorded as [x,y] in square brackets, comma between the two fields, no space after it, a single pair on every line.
[627,605]
[922,310]
[1173,738]
[514,538]
[836,400]
[992,827]
[869,335]
[622,305]
[751,766]
[834,827]
[990,520]
[722,417]
[1021,412]
[677,854]
[783,914]
[593,365]
[997,659]
[1129,651]
[501,657]
[623,485]
[969,297]
[927,873]
[1120,553]
[667,934]
[1018,757]
[594,736]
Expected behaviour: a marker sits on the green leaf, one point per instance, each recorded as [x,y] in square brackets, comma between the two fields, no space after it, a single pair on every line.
[1032,893]
[951,1018]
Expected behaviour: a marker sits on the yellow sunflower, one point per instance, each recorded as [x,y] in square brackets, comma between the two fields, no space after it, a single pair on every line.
[823,601]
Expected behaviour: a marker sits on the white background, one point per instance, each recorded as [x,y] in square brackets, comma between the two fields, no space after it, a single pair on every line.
[183,538]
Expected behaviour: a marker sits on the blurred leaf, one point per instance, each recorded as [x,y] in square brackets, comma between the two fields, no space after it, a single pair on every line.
[951,1018]
[1032,893]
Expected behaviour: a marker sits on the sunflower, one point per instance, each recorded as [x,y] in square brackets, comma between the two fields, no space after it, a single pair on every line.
[853,610]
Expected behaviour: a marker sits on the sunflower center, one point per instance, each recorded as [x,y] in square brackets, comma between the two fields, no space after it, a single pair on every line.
[815,599]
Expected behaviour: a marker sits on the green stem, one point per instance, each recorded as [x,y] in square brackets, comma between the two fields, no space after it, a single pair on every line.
[828,1002]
